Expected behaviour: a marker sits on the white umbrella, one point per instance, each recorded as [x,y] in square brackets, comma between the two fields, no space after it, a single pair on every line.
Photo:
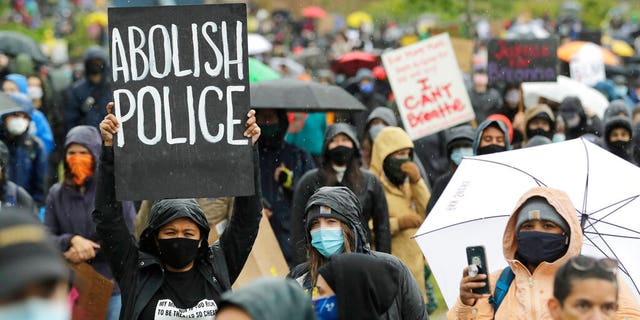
[592,99]
[475,206]
[258,44]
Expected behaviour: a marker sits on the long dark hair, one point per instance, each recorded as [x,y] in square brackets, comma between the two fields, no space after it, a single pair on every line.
[316,260]
[352,177]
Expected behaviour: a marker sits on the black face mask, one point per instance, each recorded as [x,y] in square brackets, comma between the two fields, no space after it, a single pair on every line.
[619,148]
[539,132]
[340,155]
[492,148]
[392,171]
[536,247]
[271,137]
[178,252]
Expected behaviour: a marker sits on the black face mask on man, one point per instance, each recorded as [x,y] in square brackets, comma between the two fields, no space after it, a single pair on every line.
[539,132]
[536,247]
[619,148]
[340,155]
[178,252]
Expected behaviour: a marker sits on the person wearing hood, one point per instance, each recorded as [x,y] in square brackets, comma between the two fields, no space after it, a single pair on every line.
[618,137]
[542,234]
[281,167]
[368,95]
[172,268]
[87,98]
[341,167]
[376,280]
[616,108]
[11,195]
[576,121]
[18,83]
[407,196]
[333,227]
[491,136]
[621,87]
[70,203]
[459,142]
[539,121]
[28,157]
[33,274]
[379,118]
[267,299]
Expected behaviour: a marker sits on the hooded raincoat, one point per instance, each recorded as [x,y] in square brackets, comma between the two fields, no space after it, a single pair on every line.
[371,196]
[480,129]
[137,266]
[87,101]
[271,298]
[68,208]
[408,198]
[13,195]
[407,305]
[535,112]
[528,293]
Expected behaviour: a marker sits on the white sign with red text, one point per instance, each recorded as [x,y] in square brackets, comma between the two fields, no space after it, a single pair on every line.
[428,87]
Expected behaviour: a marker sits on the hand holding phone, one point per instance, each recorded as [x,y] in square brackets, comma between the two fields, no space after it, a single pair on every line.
[477,261]
[474,284]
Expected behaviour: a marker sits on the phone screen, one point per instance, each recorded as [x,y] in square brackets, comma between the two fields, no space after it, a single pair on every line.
[476,256]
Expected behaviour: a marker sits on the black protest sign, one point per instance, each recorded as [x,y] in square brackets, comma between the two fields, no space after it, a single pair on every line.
[517,61]
[181,93]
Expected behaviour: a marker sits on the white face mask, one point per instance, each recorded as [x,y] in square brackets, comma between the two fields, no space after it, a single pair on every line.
[34,92]
[36,309]
[17,126]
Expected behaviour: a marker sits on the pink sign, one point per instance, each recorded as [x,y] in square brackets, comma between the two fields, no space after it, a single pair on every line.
[428,87]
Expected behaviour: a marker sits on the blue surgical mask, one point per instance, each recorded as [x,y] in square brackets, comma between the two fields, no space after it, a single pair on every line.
[326,308]
[36,309]
[558,137]
[375,130]
[366,87]
[621,91]
[458,153]
[328,241]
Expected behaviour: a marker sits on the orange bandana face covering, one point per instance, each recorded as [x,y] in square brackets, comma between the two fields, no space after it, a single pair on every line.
[81,166]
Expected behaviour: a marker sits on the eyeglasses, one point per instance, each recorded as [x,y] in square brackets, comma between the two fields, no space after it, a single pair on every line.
[584,263]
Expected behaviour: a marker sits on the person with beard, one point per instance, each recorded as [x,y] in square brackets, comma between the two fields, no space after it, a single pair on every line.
[172,269]
[539,121]
[407,196]
[70,203]
[87,98]
[341,167]
[282,165]
[576,121]
[491,136]
[541,235]
[11,195]
[28,157]
[617,137]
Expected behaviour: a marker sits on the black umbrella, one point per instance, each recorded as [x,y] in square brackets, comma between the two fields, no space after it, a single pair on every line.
[14,43]
[7,105]
[301,95]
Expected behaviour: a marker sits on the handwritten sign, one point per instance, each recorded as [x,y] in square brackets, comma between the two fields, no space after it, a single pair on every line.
[517,61]
[181,93]
[428,87]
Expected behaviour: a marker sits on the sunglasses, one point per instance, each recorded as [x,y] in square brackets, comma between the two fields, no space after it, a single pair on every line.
[584,263]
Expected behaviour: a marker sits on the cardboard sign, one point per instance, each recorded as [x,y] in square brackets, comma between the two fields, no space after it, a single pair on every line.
[181,93]
[517,61]
[265,259]
[428,87]
[94,292]
[464,53]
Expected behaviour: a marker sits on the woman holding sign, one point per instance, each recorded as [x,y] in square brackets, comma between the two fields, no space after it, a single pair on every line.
[172,272]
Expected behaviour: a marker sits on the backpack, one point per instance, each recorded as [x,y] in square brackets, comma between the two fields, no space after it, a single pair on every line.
[502,286]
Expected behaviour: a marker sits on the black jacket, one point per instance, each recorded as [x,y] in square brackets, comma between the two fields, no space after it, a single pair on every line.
[140,273]
[371,197]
